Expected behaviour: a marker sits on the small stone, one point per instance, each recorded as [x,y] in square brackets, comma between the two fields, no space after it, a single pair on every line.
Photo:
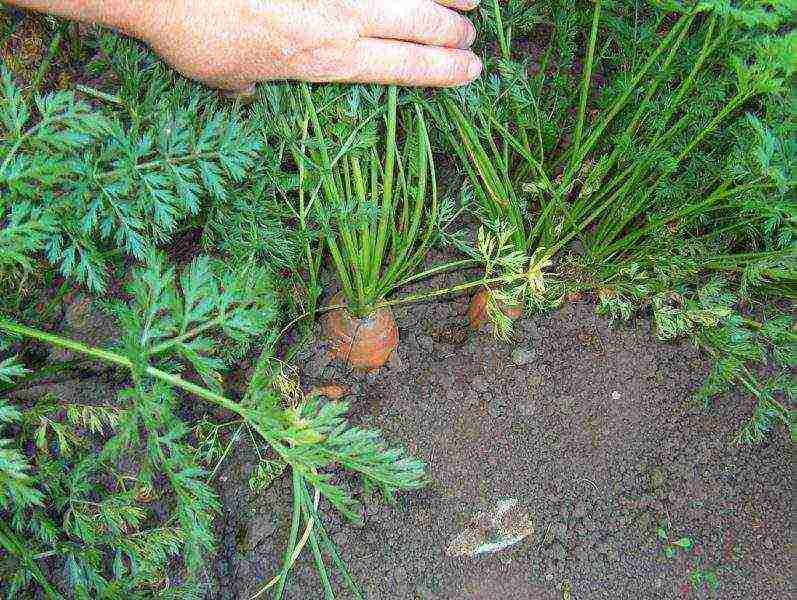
[534,569]
[261,528]
[559,530]
[469,397]
[580,510]
[496,410]
[530,328]
[480,383]
[319,362]
[342,539]
[371,505]
[565,405]
[424,593]
[524,356]
[558,551]
[582,552]
[399,573]
[549,572]
[590,524]
[657,478]
[644,522]
[394,362]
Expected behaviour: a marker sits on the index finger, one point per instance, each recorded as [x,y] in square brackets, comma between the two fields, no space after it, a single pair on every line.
[459,4]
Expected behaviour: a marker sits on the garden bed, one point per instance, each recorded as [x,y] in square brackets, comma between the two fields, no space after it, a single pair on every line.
[590,426]
[642,475]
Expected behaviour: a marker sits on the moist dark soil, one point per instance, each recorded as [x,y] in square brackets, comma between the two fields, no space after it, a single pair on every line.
[587,424]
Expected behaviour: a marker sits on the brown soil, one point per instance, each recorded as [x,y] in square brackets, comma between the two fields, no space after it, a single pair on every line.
[588,425]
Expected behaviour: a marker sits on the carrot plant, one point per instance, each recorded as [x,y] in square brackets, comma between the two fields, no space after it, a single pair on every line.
[639,198]
[398,187]
[112,496]
[364,201]
[82,484]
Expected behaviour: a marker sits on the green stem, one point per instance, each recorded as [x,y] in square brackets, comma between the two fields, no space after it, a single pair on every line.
[292,537]
[451,290]
[47,62]
[89,91]
[122,361]
[587,80]
[499,27]
[387,190]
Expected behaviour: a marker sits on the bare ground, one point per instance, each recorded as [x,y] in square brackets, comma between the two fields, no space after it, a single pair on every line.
[593,432]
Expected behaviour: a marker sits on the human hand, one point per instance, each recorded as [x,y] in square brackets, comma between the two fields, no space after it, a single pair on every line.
[231,44]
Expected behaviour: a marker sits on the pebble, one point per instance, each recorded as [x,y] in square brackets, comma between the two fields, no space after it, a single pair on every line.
[657,478]
[558,551]
[582,552]
[342,538]
[424,593]
[524,356]
[371,505]
[480,383]
[395,362]
[769,544]
[260,529]
[559,530]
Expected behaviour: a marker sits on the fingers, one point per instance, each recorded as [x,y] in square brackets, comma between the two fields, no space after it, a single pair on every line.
[421,21]
[459,4]
[402,63]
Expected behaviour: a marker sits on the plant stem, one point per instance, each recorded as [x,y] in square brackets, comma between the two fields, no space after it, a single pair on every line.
[292,537]
[122,361]
[451,290]
[387,193]
[99,95]
[47,61]
[585,84]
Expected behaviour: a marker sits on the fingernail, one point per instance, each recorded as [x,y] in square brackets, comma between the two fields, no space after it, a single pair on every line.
[471,37]
[475,68]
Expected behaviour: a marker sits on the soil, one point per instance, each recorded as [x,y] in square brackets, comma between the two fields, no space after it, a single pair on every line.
[588,425]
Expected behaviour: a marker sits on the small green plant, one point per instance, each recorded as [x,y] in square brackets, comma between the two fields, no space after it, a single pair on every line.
[673,545]
[701,575]
[83,185]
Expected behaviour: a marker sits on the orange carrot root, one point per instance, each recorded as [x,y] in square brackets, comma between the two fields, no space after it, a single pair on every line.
[365,343]
[477,311]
